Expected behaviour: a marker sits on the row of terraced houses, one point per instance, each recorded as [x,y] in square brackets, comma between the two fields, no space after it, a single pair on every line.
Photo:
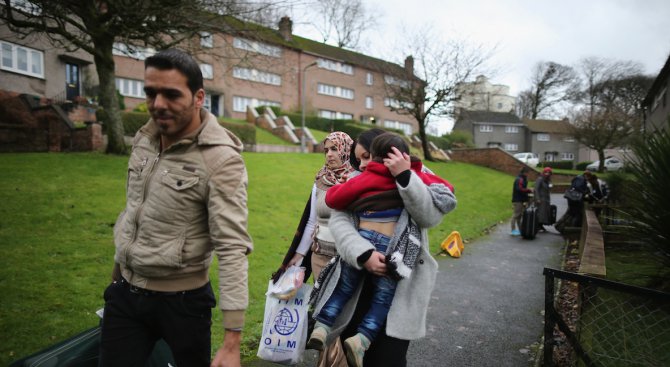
[263,67]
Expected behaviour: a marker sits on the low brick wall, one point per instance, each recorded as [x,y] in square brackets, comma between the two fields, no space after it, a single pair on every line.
[500,160]
[267,148]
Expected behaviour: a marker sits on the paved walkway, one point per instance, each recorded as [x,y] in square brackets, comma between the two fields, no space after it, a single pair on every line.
[487,306]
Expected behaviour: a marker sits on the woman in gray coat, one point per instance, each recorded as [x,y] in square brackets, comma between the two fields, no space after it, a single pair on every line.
[543,197]
[406,321]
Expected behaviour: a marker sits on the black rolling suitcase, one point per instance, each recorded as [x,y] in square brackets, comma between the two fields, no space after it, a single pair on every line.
[552,214]
[529,225]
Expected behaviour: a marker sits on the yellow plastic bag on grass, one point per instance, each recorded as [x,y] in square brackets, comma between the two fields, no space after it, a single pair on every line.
[453,244]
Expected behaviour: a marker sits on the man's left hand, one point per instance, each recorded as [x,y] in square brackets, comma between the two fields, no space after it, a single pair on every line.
[229,353]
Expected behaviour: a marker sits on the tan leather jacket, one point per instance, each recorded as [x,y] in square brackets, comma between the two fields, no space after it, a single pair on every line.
[181,205]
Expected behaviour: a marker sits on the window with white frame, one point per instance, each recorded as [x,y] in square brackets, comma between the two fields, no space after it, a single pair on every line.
[405,127]
[567,156]
[369,79]
[369,102]
[543,137]
[334,115]
[569,139]
[207,71]
[134,52]
[130,87]
[548,157]
[485,128]
[258,47]
[207,104]
[389,79]
[512,129]
[511,147]
[206,40]
[240,103]
[391,102]
[256,76]
[331,90]
[335,66]
[21,59]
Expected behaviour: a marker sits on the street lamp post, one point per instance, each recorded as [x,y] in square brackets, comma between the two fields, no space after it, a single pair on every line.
[302,108]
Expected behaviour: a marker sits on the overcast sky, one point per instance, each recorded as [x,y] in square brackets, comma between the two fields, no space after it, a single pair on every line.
[527,31]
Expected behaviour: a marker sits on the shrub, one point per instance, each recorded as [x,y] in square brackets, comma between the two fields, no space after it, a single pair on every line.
[581,166]
[142,107]
[133,121]
[246,132]
[648,195]
[556,165]
[277,111]
[457,139]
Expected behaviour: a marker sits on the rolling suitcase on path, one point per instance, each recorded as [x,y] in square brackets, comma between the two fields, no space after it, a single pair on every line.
[552,214]
[529,225]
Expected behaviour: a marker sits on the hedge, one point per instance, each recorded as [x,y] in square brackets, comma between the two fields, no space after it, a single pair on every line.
[246,132]
[133,121]
[581,166]
[351,127]
[556,165]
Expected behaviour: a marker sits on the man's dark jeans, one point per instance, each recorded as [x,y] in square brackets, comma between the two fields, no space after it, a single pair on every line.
[135,319]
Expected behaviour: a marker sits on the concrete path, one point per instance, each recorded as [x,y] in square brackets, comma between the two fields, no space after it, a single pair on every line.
[487,306]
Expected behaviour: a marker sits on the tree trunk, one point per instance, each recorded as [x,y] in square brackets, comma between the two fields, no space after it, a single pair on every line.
[424,141]
[104,63]
[601,157]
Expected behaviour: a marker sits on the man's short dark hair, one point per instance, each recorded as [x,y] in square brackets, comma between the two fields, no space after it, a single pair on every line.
[180,60]
[382,144]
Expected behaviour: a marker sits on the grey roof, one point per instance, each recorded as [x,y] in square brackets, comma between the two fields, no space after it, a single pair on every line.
[489,117]
[548,126]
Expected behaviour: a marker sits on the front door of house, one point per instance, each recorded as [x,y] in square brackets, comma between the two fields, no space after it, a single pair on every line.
[71,81]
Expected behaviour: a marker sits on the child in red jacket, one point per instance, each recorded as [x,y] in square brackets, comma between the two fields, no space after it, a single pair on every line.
[374,197]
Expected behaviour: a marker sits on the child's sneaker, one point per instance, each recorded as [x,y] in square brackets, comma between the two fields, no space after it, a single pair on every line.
[515,233]
[318,338]
[355,348]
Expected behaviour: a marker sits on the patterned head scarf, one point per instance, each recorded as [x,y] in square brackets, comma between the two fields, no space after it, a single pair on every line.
[327,177]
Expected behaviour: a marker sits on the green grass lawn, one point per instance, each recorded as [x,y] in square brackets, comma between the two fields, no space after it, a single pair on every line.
[56,223]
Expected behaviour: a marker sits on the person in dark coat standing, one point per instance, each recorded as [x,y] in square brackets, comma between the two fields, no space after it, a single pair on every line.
[520,192]
[576,207]
[542,193]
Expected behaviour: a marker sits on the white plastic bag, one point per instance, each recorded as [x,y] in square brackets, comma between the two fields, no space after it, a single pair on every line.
[288,284]
[285,327]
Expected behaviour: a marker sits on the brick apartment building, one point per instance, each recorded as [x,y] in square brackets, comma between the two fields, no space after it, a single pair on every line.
[249,66]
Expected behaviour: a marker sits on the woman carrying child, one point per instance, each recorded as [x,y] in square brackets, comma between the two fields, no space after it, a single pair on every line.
[389,206]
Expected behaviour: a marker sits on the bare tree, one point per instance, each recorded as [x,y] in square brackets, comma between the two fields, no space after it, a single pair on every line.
[608,105]
[345,20]
[95,25]
[433,72]
[551,84]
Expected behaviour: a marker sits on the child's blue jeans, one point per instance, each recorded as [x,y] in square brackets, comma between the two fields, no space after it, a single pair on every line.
[350,278]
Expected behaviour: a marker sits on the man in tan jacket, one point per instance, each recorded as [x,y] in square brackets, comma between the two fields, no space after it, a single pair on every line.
[186,199]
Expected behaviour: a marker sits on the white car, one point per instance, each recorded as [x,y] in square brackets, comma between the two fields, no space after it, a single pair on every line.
[528,158]
[611,164]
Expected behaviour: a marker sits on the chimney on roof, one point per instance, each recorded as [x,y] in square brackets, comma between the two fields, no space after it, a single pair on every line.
[409,65]
[286,28]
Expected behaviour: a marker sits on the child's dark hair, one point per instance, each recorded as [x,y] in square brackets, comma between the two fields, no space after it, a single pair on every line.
[382,144]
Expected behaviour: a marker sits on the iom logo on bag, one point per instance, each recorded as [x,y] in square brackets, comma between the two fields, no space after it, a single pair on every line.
[286,321]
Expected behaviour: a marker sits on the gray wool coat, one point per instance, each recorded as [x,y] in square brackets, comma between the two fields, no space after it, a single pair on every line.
[407,316]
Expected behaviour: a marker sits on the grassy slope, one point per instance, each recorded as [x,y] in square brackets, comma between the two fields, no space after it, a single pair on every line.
[56,221]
